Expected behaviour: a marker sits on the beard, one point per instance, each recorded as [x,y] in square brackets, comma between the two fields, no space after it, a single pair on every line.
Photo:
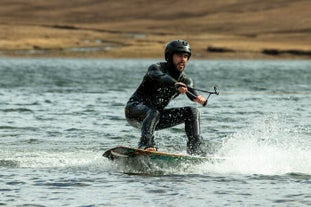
[180,66]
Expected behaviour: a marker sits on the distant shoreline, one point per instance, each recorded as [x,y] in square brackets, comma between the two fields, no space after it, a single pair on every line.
[267,54]
[136,29]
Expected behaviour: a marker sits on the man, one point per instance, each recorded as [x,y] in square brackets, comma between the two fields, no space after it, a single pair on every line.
[163,82]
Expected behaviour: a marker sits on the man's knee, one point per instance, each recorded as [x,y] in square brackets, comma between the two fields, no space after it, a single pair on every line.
[154,113]
[193,112]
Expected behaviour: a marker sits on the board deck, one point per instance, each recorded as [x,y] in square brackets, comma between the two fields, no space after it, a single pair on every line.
[137,161]
[122,152]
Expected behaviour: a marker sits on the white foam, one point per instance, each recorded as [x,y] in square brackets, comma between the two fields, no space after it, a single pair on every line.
[44,159]
[269,146]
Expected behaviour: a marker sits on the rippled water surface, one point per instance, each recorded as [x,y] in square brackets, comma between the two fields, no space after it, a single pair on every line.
[57,117]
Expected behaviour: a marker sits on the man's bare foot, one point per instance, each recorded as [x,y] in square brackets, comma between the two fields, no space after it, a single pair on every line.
[151,149]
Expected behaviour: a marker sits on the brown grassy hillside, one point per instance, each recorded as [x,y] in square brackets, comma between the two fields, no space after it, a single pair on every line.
[140,28]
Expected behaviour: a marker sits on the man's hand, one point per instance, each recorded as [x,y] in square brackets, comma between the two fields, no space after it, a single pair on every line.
[181,87]
[200,99]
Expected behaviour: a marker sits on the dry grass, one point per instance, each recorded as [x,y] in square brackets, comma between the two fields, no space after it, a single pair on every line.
[140,29]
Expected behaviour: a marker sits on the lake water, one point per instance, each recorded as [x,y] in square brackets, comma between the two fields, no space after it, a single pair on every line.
[57,117]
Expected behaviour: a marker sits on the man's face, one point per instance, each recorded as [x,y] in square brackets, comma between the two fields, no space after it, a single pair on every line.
[180,60]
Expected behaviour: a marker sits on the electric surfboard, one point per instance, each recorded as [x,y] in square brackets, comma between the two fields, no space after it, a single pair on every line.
[142,159]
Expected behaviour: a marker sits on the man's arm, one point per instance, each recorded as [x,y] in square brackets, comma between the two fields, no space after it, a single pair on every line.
[190,92]
[155,73]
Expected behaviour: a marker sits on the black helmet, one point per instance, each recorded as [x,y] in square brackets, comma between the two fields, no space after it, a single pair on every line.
[176,46]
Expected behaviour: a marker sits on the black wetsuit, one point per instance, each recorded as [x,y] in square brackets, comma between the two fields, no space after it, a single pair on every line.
[146,107]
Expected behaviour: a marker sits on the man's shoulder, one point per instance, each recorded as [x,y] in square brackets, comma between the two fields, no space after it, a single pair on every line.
[158,65]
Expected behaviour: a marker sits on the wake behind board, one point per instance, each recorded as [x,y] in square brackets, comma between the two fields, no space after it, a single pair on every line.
[142,159]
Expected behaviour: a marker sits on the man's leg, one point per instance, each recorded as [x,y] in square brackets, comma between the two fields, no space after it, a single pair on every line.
[191,117]
[146,118]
